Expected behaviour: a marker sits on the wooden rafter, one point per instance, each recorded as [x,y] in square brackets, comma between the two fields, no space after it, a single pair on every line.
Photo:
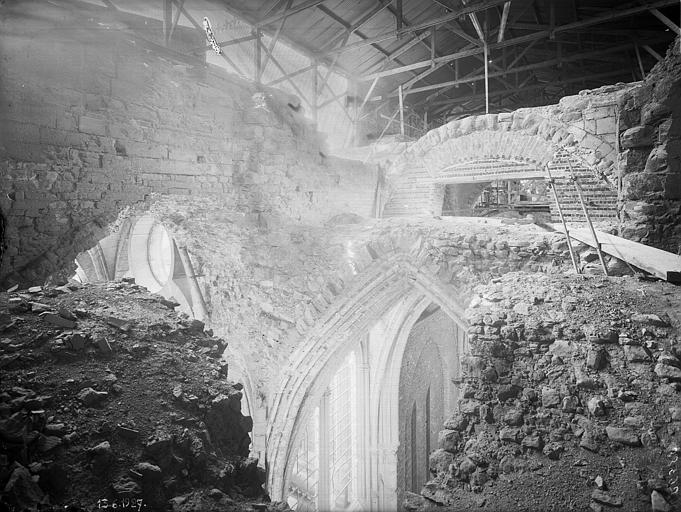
[504,20]
[349,30]
[289,12]
[362,20]
[544,34]
[290,75]
[530,67]
[295,45]
[480,6]
[167,20]
[525,88]
[224,44]
[289,80]
[669,23]
[274,41]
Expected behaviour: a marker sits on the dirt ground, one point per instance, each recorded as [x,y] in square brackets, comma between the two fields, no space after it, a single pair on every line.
[110,399]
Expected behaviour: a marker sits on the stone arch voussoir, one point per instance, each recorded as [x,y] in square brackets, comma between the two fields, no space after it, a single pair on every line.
[398,265]
[526,135]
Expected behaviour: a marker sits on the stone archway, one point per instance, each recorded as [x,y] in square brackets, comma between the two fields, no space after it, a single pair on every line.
[497,146]
[395,289]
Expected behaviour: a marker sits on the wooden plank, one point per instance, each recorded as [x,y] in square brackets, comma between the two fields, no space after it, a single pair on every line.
[657,262]
[484,178]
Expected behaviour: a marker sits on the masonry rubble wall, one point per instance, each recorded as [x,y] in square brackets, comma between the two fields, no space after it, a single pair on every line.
[650,157]
[565,377]
[94,119]
[466,150]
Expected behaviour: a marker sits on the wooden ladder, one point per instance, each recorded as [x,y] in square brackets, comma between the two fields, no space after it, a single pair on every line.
[552,184]
[579,190]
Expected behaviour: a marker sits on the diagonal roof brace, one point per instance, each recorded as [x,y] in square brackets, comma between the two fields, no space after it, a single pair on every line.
[543,34]
[472,8]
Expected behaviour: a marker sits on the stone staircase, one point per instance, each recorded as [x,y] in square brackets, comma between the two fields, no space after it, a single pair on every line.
[600,198]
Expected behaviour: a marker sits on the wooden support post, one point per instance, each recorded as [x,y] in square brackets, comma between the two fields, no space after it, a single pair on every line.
[398,19]
[258,55]
[433,41]
[653,53]
[368,94]
[486,79]
[167,20]
[315,94]
[401,111]
[580,194]
[273,42]
[669,23]
[355,114]
[504,20]
[640,62]
[552,184]
[178,11]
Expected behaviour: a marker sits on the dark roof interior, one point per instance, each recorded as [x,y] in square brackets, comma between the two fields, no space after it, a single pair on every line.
[549,48]
[538,50]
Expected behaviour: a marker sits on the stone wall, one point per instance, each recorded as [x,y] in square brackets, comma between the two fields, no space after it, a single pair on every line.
[95,118]
[516,145]
[650,157]
[566,377]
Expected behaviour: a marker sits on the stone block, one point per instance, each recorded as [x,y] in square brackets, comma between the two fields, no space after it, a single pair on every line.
[642,185]
[606,125]
[550,397]
[93,125]
[672,186]
[633,160]
[623,435]
[637,137]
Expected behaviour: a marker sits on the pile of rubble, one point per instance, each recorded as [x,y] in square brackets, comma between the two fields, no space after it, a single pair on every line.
[571,399]
[108,398]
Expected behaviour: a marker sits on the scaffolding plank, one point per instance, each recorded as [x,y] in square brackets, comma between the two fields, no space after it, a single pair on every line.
[657,262]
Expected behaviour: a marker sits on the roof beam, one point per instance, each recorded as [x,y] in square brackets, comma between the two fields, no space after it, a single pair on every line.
[300,48]
[504,20]
[359,23]
[289,12]
[349,29]
[673,26]
[531,88]
[523,39]
[653,52]
[479,6]
[529,67]
[223,44]
[290,75]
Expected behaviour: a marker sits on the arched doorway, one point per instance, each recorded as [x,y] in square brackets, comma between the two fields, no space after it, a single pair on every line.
[369,350]
[428,363]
